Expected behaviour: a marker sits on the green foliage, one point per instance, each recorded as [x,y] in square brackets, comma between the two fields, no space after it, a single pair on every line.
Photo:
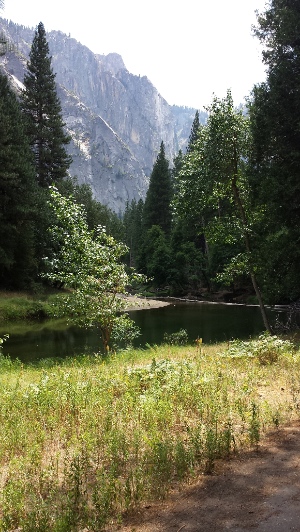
[188,272]
[194,132]
[155,257]
[213,183]
[211,174]
[22,306]
[157,208]
[18,196]
[266,349]
[133,234]
[96,213]
[275,113]
[43,114]
[177,338]
[88,263]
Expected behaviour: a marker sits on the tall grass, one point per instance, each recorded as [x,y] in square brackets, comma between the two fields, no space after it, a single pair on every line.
[86,440]
[23,306]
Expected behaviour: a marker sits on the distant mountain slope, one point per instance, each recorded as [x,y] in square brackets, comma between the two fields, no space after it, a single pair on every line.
[117,120]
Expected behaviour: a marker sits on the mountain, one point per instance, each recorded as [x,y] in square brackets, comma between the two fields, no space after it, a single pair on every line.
[116,120]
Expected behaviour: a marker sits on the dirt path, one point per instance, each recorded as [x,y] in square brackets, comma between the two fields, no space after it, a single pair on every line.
[254,491]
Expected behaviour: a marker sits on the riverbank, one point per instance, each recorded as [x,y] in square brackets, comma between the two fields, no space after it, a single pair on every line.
[142,303]
[89,439]
[16,306]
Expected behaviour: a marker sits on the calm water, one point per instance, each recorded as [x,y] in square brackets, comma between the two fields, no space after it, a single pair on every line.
[209,321]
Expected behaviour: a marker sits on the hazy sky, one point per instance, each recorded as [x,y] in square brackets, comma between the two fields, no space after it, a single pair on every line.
[189,50]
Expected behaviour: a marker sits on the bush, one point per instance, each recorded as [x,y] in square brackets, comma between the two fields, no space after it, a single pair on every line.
[267,349]
[177,338]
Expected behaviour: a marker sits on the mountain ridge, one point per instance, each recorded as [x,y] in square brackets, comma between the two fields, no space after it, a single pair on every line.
[116,119]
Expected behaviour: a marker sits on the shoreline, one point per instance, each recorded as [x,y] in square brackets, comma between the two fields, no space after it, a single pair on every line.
[142,303]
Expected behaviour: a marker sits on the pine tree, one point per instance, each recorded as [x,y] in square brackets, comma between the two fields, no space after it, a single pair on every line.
[157,209]
[194,133]
[17,195]
[132,224]
[42,109]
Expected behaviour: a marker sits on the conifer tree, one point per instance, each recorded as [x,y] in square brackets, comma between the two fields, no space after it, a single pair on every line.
[132,223]
[17,195]
[194,133]
[157,209]
[42,109]
[275,119]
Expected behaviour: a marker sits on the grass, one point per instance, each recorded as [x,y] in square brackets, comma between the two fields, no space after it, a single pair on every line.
[86,440]
[16,306]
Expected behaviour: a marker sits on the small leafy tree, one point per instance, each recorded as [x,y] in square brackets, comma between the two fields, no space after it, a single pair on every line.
[88,263]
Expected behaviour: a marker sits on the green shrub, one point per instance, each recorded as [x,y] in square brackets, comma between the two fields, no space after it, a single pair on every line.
[267,348]
[177,338]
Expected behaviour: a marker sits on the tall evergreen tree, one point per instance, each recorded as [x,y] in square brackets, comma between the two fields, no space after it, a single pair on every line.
[132,223]
[194,132]
[17,195]
[275,120]
[157,209]
[42,108]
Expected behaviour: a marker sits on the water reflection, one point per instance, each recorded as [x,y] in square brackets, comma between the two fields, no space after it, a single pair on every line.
[212,322]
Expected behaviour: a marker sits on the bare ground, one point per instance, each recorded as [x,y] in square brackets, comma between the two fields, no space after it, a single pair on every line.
[256,491]
[141,303]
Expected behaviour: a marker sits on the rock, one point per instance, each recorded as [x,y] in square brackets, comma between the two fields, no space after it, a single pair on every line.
[117,120]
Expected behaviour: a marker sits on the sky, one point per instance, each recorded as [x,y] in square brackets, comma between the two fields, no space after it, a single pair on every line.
[189,50]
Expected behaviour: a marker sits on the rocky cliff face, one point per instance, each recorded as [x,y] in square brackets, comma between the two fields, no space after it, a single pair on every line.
[117,120]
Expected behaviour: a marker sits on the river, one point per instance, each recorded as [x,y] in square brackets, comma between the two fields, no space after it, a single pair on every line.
[213,322]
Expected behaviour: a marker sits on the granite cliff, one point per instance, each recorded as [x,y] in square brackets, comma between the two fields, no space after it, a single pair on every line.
[116,120]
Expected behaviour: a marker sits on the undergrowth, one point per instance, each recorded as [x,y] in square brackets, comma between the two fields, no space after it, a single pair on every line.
[88,439]
[22,306]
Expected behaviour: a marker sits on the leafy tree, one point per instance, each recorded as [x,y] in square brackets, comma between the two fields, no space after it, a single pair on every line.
[275,121]
[17,195]
[188,266]
[89,263]
[157,209]
[194,132]
[96,213]
[43,112]
[221,190]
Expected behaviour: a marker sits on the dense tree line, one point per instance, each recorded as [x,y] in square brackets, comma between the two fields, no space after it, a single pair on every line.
[235,193]
[32,157]
[225,213]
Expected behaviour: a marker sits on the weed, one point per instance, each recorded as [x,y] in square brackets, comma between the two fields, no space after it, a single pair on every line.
[85,439]
[177,338]
[254,426]
[267,349]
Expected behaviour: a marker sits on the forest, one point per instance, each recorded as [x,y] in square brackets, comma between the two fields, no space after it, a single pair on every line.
[222,217]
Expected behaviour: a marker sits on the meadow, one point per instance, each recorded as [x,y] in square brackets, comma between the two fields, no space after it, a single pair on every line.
[86,440]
